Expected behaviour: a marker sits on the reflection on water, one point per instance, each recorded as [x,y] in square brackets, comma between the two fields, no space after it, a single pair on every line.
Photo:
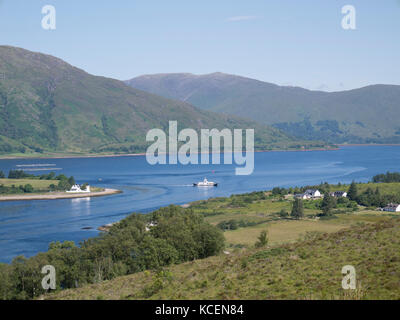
[27,227]
[80,206]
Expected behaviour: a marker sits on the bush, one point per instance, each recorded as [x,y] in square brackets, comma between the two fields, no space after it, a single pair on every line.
[262,239]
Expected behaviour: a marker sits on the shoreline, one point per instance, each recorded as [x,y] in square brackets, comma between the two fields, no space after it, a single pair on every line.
[369,145]
[143,154]
[59,195]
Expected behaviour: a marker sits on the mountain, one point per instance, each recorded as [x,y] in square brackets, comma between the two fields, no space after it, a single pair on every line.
[365,115]
[49,106]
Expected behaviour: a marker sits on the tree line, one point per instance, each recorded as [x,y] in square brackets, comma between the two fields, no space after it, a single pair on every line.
[140,242]
[387,177]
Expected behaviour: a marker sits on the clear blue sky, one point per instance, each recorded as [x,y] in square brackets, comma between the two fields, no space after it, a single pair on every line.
[291,42]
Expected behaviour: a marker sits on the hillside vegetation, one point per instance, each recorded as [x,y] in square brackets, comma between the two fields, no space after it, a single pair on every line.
[365,115]
[167,236]
[265,235]
[272,254]
[48,106]
[307,269]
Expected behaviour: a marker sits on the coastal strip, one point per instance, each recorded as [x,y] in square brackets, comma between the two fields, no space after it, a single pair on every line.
[59,195]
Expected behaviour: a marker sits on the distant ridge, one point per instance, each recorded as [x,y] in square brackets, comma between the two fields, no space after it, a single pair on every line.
[366,115]
[48,106]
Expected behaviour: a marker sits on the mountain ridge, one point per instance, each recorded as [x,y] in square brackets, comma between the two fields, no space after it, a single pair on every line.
[50,106]
[363,115]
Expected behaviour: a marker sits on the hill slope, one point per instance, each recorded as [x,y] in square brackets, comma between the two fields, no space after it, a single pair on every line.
[47,105]
[366,115]
[309,269]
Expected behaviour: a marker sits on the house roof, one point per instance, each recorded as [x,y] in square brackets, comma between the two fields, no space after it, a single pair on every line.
[392,205]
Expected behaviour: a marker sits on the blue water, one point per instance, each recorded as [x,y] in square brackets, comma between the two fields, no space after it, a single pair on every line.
[27,227]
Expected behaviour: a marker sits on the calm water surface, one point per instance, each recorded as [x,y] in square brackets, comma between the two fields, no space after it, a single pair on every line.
[27,227]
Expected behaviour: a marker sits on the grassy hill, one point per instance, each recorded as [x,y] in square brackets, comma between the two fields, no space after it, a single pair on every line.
[365,115]
[48,106]
[307,269]
[303,258]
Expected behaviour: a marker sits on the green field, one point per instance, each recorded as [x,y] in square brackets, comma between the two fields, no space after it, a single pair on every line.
[39,186]
[261,211]
[35,183]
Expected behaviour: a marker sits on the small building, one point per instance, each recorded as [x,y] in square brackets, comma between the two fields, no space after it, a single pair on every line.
[151,225]
[309,194]
[76,188]
[392,207]
[339,194]
[313,193]
[301,196]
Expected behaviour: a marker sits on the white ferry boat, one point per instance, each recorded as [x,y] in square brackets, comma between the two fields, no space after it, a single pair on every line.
[205,183]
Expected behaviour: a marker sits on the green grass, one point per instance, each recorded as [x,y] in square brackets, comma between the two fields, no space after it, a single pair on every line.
[39,185]
[265,213]
[307,269]
[35,183]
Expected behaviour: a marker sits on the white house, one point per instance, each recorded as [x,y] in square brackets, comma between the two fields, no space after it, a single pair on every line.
[302,196]
[313,193]
[392,207]
[309,194]
[76,188]
[339,194]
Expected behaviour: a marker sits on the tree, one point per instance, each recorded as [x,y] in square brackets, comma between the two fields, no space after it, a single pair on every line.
[2,175]
[71,181]
[297,210]
[352,193]
[283,213]
[64,185]
[328,203]
[28,188]
[262,239]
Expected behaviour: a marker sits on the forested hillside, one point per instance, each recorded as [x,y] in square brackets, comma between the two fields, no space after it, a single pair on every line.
[365,115]
[49,106]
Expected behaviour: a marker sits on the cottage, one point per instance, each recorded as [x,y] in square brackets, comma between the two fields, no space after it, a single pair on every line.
[76,188]
[339,194]
[301,196]
[392,207]
[313,193]
[309,194]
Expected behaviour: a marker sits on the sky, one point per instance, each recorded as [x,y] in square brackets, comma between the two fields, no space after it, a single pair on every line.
[287,42]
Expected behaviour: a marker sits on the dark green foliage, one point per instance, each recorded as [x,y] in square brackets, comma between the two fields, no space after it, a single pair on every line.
[2,175]
[139,242]
[371,198]
[352,193]
[262,239]
[283,213]
[279,191]
[19,174]
[328,203]
[28,188]
[235,224]
[297,209]
[71,181]
[388,177]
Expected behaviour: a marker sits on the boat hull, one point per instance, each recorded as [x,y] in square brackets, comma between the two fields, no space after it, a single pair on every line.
[205,185]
